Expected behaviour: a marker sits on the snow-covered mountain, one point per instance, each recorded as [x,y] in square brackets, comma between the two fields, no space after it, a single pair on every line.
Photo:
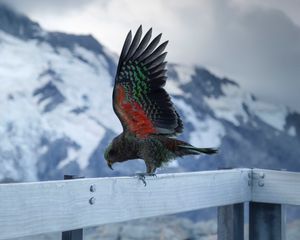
[56,113]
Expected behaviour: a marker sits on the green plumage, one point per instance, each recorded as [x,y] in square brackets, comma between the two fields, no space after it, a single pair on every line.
[154,150]
[137,82]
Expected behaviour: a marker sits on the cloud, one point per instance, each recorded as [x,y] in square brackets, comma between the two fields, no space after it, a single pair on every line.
[260,48]
[255,42]
[288,7]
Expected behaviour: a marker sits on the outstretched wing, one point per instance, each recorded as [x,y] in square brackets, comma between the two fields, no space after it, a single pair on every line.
[139,99]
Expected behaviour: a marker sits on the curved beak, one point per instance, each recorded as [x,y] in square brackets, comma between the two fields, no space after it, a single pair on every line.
[109,164]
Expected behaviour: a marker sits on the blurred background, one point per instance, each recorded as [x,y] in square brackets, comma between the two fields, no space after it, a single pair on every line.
[233,71]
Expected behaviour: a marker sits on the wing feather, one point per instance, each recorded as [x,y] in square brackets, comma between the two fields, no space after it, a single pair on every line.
[150,48]
[156,53]
[135,43]
[157,60]
[139,99]
[126,45]
[143,44]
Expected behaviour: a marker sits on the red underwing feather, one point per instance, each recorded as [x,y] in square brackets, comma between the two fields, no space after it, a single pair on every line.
[133,114]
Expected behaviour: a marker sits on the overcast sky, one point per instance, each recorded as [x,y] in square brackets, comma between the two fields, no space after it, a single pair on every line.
[256,43]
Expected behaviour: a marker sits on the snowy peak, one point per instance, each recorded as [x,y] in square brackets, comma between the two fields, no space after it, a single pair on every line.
[225,98]
[207,83]
[18,25]
[210,85]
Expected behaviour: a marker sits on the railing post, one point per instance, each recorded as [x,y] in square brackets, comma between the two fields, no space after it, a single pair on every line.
[231,222]
[266,221]
[73,234]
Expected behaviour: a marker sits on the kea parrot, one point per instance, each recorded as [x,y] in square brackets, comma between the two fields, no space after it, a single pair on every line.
[147,114]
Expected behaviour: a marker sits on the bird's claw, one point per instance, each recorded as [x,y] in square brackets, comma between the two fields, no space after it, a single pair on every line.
[142,177]
[152,175]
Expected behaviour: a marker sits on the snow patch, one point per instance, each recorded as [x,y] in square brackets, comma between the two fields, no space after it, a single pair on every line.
[207,132]
[292,131]
[274,115]
[235,103]
[173,88]
[71,156]
[185,73]
[230,106]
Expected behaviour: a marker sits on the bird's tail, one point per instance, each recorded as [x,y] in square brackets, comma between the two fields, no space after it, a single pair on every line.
[195,151]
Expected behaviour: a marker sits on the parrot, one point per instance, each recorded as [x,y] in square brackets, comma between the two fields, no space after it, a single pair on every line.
[149,119]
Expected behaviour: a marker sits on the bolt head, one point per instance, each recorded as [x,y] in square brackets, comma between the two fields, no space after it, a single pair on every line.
[92,200]
[261,183]
[93,188]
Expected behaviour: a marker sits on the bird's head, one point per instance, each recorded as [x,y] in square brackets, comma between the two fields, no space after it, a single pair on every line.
[111,155]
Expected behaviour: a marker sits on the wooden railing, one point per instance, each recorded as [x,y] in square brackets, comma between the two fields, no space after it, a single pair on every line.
[41,207]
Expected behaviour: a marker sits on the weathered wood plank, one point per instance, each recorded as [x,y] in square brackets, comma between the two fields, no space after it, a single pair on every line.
[266,221]
[280,187]
[231,222]
[33,208]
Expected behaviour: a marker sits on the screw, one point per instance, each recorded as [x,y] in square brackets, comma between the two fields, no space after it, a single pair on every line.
[261,183]
[92,200]
[93,188]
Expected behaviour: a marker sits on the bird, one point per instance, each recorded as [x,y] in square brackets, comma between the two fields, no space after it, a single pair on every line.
[148,116]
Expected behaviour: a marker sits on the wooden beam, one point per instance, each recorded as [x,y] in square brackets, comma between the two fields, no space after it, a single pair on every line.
[41,207]
[231,222]
[281,187]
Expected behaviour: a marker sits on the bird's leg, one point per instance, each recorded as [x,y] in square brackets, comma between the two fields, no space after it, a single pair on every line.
[142,177]
[151,170]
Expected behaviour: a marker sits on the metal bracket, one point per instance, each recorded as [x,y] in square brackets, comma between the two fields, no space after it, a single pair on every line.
[256,178]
